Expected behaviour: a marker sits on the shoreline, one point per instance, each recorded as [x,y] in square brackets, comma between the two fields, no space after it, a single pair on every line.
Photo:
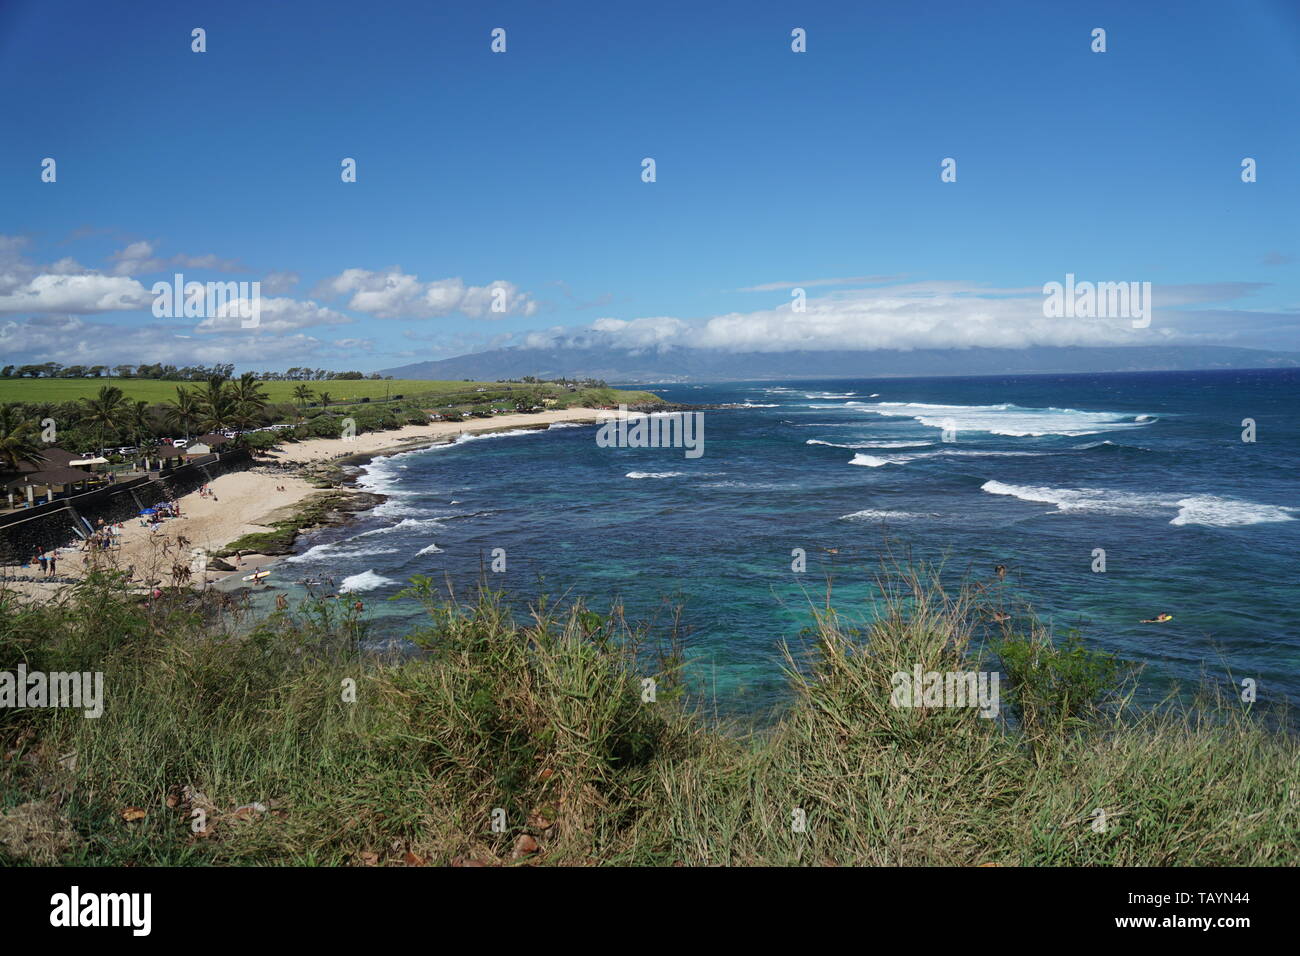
[266,499]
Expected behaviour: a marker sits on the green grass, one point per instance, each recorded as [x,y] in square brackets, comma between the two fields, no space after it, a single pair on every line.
[542,716]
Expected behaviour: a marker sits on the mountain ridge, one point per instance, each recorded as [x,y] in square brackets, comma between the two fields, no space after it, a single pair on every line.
[697,365]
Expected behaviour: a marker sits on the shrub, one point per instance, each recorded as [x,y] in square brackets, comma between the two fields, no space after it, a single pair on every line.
[1055,684]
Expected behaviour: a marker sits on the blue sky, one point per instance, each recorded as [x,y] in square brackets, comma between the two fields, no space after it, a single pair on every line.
[774,170]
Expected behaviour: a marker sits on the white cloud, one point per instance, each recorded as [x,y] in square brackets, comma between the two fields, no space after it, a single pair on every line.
[138,257]
[73,340]
[918,315]
[394,294]
[89,292]
[277,315]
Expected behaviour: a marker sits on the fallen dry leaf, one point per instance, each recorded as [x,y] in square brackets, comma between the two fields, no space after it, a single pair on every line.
[368,858]
[131,814]
[524,846]
[248,811]
[412,859]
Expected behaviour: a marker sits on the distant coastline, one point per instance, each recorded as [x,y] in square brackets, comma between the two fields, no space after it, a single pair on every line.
[294,488]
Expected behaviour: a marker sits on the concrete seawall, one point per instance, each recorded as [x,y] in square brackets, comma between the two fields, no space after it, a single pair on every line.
[66,521]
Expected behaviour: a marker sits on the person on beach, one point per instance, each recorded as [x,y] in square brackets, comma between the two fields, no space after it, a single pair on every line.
[41,562]
[54,562]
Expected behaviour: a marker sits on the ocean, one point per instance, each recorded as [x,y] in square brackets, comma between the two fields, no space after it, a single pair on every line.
[1039,472]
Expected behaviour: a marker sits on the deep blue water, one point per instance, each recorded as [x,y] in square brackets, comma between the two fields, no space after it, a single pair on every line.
[1043,470]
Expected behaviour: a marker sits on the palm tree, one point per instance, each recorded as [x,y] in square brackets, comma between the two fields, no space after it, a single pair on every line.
[217,406]
[248,398]
[18,445]
[325,399]
[184,411]
[105,411]
[139,421]
[303,394]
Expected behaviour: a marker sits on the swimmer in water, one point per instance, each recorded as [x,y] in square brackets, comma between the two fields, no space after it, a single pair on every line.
[1159,619]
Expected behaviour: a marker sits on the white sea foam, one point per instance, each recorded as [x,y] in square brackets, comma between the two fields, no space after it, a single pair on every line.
[1097,500]
[512,433]
[1012,420]
[872,514]
[399,506]
[1208,510]
[874,461]
[655,474]
[870,444]
[431,549]
[1219,512]
[365,581]
[335,550]
[408,524]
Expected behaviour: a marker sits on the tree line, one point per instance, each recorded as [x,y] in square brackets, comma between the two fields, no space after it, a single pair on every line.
[172,373]
[216,405]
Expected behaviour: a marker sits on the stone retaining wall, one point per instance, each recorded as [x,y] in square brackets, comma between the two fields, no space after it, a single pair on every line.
[56,524]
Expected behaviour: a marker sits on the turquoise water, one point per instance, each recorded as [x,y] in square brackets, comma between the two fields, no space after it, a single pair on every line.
[1043,470]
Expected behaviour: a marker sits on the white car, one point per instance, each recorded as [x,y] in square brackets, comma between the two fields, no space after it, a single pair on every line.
[180,442]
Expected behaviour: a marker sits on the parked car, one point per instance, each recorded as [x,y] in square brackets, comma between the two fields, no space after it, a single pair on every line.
[180,442]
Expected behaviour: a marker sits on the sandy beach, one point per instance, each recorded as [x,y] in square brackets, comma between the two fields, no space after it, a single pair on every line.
[415,436]
[246,502]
